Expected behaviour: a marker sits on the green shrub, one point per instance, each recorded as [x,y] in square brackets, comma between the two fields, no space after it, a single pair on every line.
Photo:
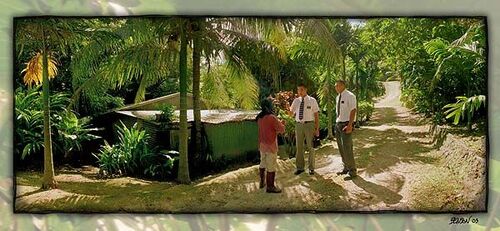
[73,131]
[167,114]
[289,135]
[365,110]
[28,123]
[29,119]
[323,121]
[132,156]
[163,167]
[417,100]
[464,108]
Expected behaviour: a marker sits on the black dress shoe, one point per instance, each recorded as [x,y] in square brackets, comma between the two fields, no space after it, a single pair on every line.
[348,178]
[298,172]
[345,171]
[311,172]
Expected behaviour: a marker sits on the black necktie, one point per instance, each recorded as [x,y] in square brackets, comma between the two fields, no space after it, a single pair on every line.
[338,106]
[301,109]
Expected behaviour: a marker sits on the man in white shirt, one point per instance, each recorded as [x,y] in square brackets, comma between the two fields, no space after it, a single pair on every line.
[346,113]
[305,109]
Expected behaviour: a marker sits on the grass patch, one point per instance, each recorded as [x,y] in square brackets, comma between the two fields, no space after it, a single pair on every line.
[438,190]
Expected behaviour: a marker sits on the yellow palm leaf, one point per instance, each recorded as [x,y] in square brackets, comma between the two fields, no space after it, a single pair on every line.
[34,69]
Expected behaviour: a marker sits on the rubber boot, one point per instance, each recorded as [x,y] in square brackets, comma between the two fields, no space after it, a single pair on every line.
[262,173]
[271,187]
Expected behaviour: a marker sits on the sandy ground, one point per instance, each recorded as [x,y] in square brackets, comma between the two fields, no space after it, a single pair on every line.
[394,153]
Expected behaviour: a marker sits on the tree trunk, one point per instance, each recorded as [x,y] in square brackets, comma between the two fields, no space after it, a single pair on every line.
[329,113]
[140,94]
[358,88]
[343,68]
[183,173]
[48,181]
[196,92]
[329,107]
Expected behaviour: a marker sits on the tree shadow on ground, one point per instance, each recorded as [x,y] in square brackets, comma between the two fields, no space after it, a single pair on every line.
[391,116]
[112,195]
[376,151]
[302,192]
[383,193]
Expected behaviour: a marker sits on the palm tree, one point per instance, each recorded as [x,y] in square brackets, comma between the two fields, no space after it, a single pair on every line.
[147,48]
[469,48]
[138,49]
[183,174]
[320,44]
[357,52]
[239,43]
[196,85]
[45,36]
[143,49]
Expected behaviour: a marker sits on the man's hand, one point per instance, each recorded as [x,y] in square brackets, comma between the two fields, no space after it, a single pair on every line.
[347,129]
[316,133]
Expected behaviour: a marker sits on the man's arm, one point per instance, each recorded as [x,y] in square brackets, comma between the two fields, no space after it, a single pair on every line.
[316,117]
[316,123]
[352,115]
[291,109]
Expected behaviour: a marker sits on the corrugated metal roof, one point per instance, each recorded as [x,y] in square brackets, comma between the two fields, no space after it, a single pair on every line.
[158,103]
[207,116]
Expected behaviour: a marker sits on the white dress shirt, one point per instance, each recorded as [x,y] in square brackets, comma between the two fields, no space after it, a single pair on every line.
[346,105]
[310,107]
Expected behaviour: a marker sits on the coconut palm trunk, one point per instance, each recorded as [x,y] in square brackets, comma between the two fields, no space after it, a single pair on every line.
[329,106]
[196,91]
[183,173]
[344,76]
[359,95]
[48,181]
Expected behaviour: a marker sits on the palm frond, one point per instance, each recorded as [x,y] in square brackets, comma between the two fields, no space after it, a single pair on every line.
[464,107]
[34,69]
[245,88]
[213,89]
[318,30]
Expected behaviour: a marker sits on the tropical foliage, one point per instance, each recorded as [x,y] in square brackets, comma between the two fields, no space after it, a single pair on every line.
[132,156]
[465,108]
[167,114]
[69,130]
[73,131]
[231,63]
[29,118]
[435,59]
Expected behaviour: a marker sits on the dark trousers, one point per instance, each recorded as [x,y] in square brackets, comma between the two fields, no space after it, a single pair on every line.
[344,141]
[304,132]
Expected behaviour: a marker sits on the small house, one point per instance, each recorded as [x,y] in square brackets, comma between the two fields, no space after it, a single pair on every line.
[228,134]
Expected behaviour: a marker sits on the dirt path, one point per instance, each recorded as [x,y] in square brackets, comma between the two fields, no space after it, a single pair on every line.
[393,152]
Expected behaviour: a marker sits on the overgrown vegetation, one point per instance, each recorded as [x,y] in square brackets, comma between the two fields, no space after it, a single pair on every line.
[365,110]
[69,130]
[436,60]
[96,65]
[132,156]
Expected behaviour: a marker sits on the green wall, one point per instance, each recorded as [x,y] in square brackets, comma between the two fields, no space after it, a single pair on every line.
[232,140]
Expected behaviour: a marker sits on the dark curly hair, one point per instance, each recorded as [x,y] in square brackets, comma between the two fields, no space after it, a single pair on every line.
[267,108]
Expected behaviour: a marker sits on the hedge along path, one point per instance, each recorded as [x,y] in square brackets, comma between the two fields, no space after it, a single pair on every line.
[400,168]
